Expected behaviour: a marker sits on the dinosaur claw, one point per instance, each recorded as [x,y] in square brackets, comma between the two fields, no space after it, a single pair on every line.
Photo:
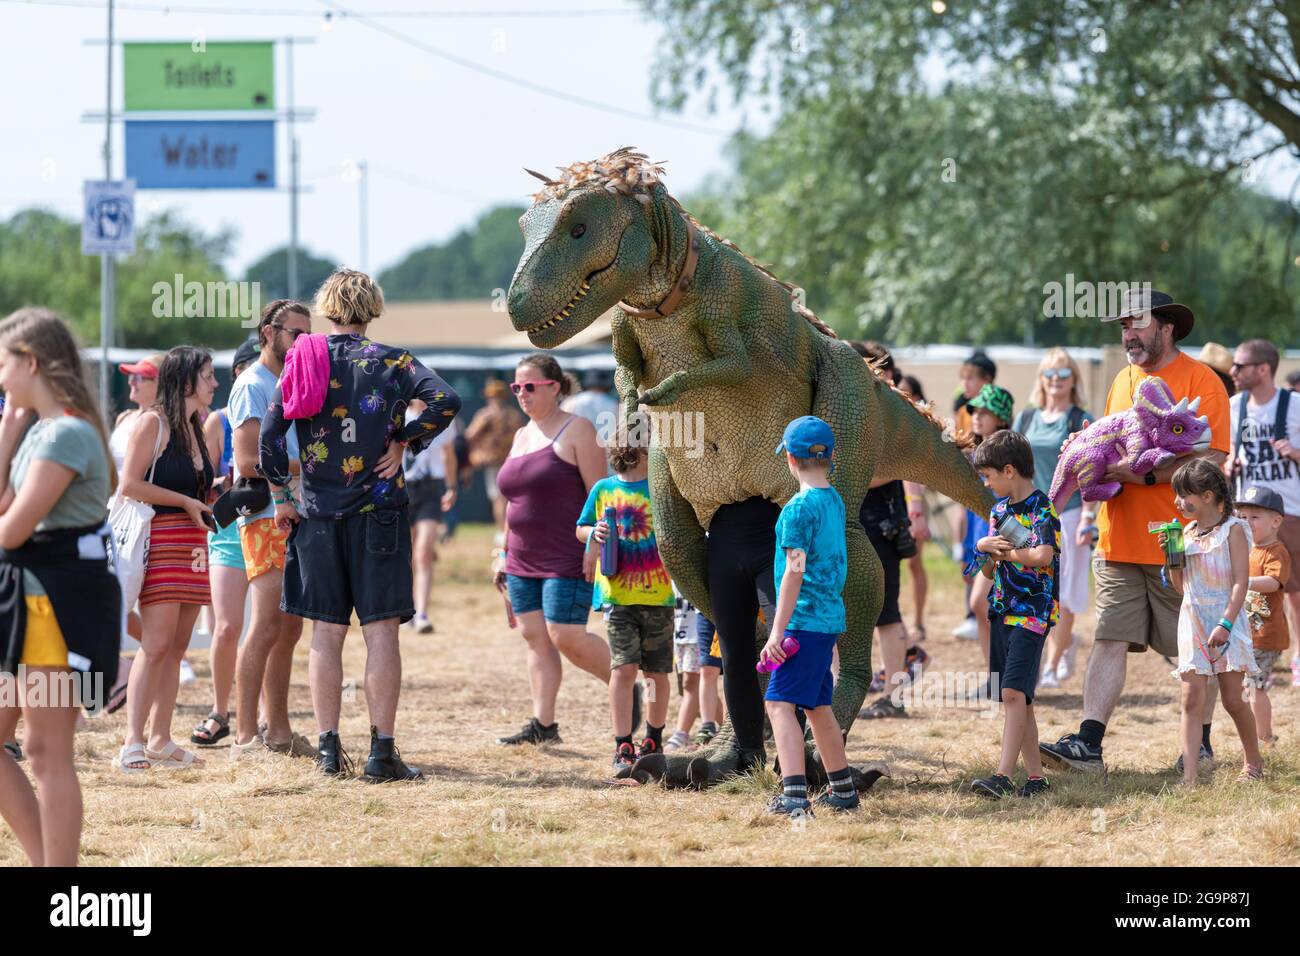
[651,766]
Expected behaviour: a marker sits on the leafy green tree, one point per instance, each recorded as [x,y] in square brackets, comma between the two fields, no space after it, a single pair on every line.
[468,266]
[272,272]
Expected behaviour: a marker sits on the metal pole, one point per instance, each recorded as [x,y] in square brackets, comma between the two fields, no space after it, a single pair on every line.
[107,270]
[293,179]
[364,215]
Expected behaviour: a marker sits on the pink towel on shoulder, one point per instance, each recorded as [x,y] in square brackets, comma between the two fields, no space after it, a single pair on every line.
[306,376]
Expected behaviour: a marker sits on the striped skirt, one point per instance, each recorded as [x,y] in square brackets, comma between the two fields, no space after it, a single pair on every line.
[177,569]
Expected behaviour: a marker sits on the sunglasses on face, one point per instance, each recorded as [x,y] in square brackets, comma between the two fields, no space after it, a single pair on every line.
[293,333]
[530,387]
[1061,373]
[1239,365]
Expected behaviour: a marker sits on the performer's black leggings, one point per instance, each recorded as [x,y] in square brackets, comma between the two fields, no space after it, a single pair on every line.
[741,546]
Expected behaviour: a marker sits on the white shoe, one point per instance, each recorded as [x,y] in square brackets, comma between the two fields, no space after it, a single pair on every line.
[1065,669]
[1049,678]
[967,630]
[187,672]
[422,624]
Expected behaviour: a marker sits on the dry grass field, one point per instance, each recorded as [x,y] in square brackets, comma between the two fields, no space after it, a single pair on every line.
[484,804]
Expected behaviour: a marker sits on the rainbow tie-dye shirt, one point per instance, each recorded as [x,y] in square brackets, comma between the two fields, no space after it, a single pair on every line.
[641,577]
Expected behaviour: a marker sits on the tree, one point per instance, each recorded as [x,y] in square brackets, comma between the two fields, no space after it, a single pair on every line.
[914,211]
[470,265]
[272,272]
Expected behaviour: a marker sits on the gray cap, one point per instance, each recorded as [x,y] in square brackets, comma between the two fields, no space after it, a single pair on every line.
[1257,496]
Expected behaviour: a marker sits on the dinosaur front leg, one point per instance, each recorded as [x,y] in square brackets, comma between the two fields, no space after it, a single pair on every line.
[729,366]
[631,366]
[1151,459]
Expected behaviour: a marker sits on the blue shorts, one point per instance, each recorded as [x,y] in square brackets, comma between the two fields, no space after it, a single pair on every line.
[805,679]
[224,548]
[704,631]
[561,600]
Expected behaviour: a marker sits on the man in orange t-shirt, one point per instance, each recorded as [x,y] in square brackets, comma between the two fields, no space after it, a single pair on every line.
[1135,610]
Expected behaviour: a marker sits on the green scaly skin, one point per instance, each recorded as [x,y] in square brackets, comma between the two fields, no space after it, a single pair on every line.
[737,350]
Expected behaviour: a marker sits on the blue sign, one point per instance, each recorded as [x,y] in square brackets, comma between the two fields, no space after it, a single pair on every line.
[201,154]
[108,218]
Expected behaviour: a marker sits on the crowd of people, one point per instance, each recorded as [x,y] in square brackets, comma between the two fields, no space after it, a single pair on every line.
[318,493]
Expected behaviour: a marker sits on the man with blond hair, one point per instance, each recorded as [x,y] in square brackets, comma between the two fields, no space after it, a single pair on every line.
[350,548]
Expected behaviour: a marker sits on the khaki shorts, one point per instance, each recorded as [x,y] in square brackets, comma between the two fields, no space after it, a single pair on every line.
[1289,534]
[1134,607]
[641,634]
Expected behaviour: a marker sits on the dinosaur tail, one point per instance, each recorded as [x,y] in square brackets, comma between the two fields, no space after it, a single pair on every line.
[918,447]
[1064,484]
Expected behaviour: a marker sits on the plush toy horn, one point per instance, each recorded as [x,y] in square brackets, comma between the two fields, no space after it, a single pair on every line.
[1203,420]
[1180,407]
[1196,403]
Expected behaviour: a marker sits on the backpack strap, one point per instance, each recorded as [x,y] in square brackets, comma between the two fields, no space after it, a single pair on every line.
[1077,415]
[1279,421]
[1023,419]
[1241,423]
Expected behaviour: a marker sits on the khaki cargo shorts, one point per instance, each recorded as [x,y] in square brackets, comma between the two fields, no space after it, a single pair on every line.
[1135,607]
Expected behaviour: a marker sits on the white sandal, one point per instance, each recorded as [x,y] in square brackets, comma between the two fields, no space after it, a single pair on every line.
[172,757]
[129,754]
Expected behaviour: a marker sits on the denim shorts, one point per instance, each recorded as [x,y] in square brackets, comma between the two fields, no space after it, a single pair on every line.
[360,563]
[561,600]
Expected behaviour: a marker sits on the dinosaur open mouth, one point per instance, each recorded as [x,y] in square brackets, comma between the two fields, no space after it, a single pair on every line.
[565,312]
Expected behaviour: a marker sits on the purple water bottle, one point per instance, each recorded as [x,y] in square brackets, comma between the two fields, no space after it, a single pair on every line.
[609,548]
[766,666]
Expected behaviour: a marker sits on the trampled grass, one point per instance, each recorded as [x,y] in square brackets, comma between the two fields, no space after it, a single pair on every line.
[483,804]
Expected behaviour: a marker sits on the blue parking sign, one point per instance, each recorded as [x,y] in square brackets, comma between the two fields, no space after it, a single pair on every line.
[108,219]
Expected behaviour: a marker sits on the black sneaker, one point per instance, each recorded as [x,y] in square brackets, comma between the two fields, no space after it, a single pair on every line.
[996,786]
[15,750]
[1033,787]
[704,735]
[532,733]
[624,756]
[1074,753]
[648,747]
[332,759]
[1207,759]
[883,707]
[385,764]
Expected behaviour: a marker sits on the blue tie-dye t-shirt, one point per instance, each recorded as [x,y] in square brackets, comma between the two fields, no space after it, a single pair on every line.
[1021,596]
[813,522]
[641,576]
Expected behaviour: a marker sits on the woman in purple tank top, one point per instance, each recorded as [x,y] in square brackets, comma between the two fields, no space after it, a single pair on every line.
[553,463]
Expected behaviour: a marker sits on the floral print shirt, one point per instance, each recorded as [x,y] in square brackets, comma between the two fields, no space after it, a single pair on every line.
[365,408]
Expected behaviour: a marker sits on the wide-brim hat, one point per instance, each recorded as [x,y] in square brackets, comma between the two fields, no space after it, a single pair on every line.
[1217,357]
[1138,300]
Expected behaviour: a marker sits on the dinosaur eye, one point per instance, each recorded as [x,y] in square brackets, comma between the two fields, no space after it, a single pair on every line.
[1177,429]
[577,231]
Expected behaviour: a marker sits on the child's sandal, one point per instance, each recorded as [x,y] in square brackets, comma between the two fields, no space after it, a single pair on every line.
[1249,773]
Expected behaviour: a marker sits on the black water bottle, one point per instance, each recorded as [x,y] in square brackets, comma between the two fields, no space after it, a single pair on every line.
[609,547]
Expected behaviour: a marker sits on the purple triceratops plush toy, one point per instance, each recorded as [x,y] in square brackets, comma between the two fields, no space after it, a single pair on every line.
[1155,430]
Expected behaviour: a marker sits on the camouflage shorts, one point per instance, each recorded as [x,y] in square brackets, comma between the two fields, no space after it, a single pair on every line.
[642,635]
[1264,660]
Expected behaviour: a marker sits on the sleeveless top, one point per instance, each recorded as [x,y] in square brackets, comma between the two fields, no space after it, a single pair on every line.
[545,496]
[121,436]
[1207,586]
[175,472]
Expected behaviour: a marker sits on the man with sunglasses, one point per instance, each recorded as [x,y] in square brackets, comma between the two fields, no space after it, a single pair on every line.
[1135,610]
[1266,448]
[266,658]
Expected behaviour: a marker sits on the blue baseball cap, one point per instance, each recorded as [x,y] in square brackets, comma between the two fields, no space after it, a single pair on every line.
[807,437]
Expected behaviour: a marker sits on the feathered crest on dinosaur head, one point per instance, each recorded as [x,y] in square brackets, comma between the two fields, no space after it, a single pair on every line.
[625,171]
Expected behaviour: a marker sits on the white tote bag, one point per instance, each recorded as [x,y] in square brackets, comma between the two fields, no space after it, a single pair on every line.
[130,520]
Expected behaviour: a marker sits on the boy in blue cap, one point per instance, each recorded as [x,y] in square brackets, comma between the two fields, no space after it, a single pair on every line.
[810,566]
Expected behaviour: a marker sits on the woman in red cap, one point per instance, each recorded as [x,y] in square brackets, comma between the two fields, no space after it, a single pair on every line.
[143,378]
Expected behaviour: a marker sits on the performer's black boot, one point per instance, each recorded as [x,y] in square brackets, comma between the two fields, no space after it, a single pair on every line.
[385,764]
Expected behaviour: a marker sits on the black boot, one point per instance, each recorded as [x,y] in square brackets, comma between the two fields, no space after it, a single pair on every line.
[385,763]
[331,758]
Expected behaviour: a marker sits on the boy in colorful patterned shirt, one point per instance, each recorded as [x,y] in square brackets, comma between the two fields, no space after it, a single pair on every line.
[1023,602]
[639,596]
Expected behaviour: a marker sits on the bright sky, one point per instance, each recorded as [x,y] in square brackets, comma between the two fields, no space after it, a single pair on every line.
[444,143]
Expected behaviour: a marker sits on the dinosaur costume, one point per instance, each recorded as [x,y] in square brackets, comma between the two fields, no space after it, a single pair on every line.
[703,330]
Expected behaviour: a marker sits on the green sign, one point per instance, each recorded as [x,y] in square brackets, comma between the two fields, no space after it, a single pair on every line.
[199,76]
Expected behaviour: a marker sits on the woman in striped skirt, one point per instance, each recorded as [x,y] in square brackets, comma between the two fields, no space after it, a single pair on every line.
[175,585]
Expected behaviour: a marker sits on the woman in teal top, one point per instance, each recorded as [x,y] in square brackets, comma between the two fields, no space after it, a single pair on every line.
[1056,411]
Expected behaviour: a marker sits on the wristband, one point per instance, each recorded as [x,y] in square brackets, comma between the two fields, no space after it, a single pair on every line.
[1225,624]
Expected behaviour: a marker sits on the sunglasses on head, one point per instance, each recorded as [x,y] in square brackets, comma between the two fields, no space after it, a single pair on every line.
[530,387]
[1062,373]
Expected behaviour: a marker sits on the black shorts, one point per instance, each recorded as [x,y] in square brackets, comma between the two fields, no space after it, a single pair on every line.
[424,499]
[362,562]
[887,549]
[1015,654]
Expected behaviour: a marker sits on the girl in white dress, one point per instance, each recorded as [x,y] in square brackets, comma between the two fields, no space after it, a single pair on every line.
[1213,631]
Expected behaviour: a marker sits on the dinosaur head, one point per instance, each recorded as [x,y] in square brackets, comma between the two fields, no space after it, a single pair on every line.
[1173,426]
[589,241]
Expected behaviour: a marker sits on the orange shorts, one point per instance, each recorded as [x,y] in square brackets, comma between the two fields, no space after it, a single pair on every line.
[263,545]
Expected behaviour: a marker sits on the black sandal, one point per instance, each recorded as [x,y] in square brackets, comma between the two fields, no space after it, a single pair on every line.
[209,738]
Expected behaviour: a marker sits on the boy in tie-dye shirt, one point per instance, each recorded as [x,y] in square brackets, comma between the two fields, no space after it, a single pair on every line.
[639,596]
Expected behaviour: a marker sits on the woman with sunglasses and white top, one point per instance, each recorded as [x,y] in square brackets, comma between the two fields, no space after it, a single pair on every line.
[1055,412]
[553,463]
[143,379]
